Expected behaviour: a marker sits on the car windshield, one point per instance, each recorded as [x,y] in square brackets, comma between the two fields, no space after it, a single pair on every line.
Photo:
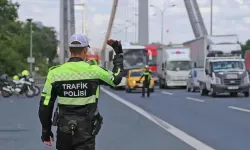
[154,74]
[227,66]
[136,74]
[178,65]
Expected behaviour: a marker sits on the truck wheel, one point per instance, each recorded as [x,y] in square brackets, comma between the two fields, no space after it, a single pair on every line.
[203,91]
[192,89]
[233,94]
[246,94]
[161,86]
[213,93]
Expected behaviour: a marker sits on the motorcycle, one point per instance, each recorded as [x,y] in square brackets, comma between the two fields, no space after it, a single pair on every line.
[35,88]
[9,88]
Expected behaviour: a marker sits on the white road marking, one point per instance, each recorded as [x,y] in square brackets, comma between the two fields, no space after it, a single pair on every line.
[238,108]
[168,93]
[198,145]
[195,99]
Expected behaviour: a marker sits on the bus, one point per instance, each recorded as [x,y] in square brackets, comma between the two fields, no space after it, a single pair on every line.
[134,58]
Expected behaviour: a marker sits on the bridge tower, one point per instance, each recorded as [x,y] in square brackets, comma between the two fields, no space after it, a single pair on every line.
[195,18]
[67,27]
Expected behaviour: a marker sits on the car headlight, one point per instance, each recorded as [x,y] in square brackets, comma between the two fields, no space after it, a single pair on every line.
[217,80]
[246,79]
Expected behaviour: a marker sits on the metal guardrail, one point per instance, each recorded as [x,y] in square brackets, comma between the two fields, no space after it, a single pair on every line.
[40,81]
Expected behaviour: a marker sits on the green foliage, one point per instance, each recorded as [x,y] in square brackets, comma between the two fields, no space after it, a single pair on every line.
[245,46]
[15,42]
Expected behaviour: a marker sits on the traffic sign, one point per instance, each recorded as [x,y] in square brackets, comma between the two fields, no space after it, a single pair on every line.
[31,60]
[36,68]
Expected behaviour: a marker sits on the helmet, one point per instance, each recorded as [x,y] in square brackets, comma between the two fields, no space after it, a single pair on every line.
[16,77]
[4,77]
[146,66]
[25,73]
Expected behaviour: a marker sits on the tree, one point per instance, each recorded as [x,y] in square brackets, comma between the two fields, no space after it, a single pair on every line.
[15,42]
[245,47]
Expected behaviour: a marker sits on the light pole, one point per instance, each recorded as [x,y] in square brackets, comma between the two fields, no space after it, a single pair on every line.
[31,60]
[162,17]
[126,30]
[211,18]
[83,17]
[134,24]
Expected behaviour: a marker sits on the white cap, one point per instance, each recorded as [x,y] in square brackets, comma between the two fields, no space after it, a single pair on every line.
[146,66]
[81,38]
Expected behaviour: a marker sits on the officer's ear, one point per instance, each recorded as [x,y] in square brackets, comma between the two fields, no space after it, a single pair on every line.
[85,50]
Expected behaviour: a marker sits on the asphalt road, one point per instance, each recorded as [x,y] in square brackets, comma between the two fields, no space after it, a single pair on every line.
[223,123]
[123,127]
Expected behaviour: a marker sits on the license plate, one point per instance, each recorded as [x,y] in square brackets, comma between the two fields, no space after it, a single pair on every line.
[233,87]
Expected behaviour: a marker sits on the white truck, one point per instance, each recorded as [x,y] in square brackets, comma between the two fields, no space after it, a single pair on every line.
[224,68]
[173,66]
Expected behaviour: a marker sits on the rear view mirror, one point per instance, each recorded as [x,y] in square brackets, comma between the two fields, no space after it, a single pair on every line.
[206,71]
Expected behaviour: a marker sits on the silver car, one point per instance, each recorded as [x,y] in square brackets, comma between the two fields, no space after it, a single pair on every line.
[193,84]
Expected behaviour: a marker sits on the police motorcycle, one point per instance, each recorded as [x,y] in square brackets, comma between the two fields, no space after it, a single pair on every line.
[34,87]
[17,87]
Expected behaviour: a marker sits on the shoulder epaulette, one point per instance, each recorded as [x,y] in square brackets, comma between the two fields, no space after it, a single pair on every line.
[53,67]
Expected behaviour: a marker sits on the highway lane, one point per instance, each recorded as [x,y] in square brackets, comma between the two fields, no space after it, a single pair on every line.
[207,119]
[123,128]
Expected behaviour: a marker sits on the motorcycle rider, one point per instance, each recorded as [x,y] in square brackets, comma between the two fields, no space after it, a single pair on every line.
[25,74]
[17,87]
[75,85]
[146,82]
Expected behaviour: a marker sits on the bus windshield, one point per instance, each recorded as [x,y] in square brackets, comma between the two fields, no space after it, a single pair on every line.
[134,58]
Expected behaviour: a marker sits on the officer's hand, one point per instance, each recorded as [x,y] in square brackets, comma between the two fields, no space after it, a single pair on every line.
[116,45]
[47,137]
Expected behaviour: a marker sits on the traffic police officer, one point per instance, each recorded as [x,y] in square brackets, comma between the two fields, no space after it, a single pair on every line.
[75,84]
[92,62]
[147,77]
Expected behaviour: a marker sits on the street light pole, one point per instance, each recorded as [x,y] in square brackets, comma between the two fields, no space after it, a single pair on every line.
[162,19]
[134,24]
[126,33]
[31,46]
[211,18]
[162,24]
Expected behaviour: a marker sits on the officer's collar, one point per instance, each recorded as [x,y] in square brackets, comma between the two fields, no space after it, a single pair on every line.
[75,59]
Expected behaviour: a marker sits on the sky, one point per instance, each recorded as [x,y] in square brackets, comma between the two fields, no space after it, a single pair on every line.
[229,17]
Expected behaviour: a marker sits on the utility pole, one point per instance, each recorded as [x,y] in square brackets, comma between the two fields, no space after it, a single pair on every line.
[162,18]
[211,18]
[31,59]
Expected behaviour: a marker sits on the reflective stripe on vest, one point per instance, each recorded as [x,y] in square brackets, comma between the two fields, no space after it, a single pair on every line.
[77,101]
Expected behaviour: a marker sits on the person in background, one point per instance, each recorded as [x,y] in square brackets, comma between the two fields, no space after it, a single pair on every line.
[146,82]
